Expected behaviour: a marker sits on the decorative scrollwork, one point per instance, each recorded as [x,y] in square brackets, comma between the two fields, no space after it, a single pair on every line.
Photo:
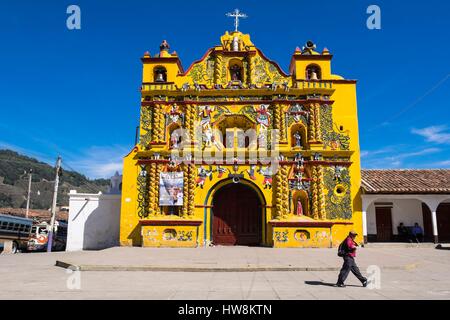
[337,183]
[143,195]
[335,139]
[146,127]
[185,236]
[281,236]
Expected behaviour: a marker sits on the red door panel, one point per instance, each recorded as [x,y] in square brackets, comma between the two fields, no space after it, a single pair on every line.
[237,218]
[384,223]
[427,224]
[443,222]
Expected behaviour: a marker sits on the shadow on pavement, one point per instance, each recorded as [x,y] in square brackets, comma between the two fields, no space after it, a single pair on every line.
[327,284]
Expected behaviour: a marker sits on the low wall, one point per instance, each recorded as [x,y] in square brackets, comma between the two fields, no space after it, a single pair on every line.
[94,221]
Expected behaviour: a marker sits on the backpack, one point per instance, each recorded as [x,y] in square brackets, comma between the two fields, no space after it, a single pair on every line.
[342,249]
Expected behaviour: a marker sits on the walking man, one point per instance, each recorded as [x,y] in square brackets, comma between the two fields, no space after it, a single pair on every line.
[349,261]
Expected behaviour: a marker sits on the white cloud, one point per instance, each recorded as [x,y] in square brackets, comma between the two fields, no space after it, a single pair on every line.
[98,161]
[405,155]
[392,157]
[94,162]
[445,163]
[436,134]
[372,153]
[27,152]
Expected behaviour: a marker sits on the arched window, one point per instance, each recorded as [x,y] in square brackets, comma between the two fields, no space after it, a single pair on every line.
[313,72]
[235,132]
[159,74]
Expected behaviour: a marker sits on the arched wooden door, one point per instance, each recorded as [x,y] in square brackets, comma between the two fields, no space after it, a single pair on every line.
[237,216]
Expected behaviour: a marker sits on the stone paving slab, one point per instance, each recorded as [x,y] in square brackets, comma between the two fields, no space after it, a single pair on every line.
[75,267]
[229,259]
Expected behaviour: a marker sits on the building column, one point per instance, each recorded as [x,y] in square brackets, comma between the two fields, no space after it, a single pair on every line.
[283,124]
[277,120]
[191,190]
[158,123]
[433,202]
[366,201]
[434,224]
[364,225]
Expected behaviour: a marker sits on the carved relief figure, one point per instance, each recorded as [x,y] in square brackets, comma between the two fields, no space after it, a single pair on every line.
[263,116]
[174,139]
[205,115]
[221,170]
[267,173]
[174,114]
[299,207]
[298,139]
[236,73]
[251,172]
[202,175]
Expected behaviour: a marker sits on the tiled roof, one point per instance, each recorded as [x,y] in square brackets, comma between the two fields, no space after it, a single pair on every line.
[40,215]
[406,181]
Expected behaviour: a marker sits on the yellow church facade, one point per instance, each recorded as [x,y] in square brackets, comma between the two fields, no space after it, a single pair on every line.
[234,151]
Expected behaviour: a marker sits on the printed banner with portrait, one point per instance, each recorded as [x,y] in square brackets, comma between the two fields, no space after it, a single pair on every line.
[171,189]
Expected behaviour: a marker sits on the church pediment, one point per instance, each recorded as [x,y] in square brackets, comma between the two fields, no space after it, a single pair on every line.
[236,63]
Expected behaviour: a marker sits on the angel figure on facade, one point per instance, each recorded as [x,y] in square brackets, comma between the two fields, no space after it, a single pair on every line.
[267,173]
[203,174]
[174,115]
[221,170]
[205,116]
[263,116]
[251,172]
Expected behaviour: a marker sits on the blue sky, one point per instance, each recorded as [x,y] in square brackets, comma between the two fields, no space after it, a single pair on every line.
[75,93]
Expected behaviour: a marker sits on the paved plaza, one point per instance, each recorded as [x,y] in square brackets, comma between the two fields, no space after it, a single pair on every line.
[223,273]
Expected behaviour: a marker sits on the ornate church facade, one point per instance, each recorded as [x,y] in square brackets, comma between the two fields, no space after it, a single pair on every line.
[234,151]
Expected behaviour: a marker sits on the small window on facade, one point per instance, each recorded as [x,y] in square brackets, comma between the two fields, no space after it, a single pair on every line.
[160,74]
[313,72]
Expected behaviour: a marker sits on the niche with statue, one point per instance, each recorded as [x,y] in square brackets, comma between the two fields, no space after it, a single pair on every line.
[298,136]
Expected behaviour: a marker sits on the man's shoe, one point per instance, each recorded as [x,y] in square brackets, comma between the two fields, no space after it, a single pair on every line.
[365,283]
[340,285]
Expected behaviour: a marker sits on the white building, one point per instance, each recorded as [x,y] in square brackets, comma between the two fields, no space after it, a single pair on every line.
[390,197]
[94,219]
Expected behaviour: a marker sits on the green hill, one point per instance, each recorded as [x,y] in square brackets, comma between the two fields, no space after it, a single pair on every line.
[14,182]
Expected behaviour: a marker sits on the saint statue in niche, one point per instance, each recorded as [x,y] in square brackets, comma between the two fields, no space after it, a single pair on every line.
[174,139]
[298,139]
[236,74]
[299,207]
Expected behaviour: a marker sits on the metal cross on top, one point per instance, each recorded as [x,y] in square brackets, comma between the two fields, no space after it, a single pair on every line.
[236,15]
